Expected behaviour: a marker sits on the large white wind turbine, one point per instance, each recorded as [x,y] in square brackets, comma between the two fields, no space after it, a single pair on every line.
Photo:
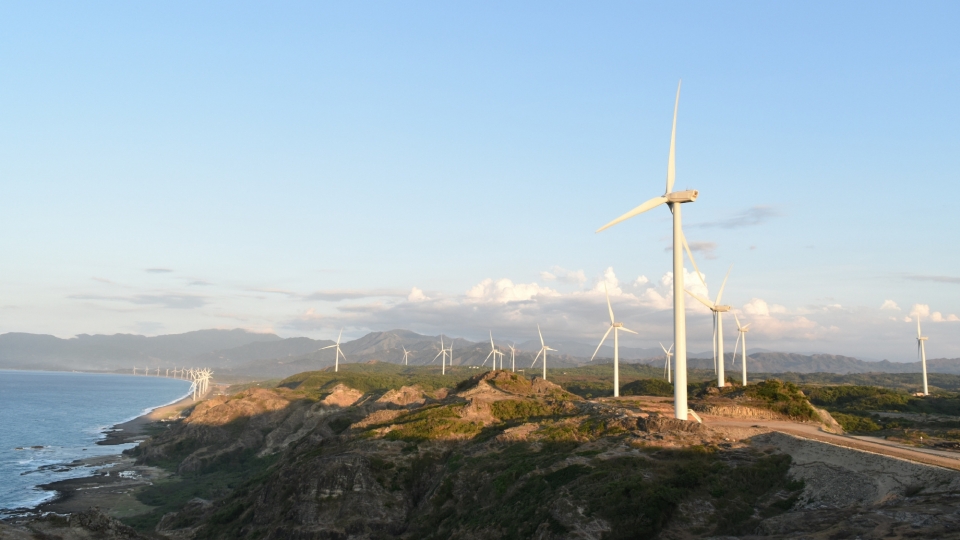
[543,351]
[718,310]
[674,199]
[406,354]
[741,337]
[615,327]
[513,358]
[493,352]
[666,365]
[338,354]
[922,351]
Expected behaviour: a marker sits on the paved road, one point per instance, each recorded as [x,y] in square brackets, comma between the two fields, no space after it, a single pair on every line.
[871,444]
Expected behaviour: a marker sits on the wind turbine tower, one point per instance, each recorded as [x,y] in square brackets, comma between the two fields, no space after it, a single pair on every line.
[543,351]
[615,327]
[741,337]
[338,353]
[513,358]
[443,353]
[674,199]
[493,352]
[922,349]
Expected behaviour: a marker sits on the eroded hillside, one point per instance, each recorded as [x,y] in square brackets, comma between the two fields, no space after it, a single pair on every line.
[497,456]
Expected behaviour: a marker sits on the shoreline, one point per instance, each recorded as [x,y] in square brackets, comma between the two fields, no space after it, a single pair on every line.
[112,483]
[134,431]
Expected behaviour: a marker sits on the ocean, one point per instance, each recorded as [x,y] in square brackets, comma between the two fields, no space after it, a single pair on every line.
[48,419]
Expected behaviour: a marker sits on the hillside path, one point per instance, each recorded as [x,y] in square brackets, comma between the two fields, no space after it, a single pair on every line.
[874,445]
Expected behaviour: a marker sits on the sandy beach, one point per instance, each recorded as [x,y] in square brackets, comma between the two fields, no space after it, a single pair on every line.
[136,430]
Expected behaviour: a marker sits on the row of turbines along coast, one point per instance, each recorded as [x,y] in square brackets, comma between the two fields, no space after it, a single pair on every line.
[199,377]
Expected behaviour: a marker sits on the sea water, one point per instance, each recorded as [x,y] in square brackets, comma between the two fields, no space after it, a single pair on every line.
[50,419]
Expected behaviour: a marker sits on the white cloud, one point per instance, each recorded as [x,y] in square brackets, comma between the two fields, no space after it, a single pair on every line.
[416,295]
[504,290]
[891,305]
[921,310]
[640,281]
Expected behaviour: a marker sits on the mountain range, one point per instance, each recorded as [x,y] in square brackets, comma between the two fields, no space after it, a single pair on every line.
[243,354]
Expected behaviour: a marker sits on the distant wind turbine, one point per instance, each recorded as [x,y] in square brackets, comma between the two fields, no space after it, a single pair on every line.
[513,358]
[718,310]
[674,199]
[543,351]
[338,353]
[615,327]
[406,354]
[922,351]
[443,353]
[666,365]
[741,337]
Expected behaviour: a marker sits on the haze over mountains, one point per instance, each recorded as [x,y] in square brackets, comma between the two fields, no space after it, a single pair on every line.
[239,353]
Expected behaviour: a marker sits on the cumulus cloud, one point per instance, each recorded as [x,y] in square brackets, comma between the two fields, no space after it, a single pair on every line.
[890,304]
[504,290]
[641,281]
[416,295]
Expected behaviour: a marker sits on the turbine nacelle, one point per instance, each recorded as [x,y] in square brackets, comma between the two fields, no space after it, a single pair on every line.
[689,195]
[721,309]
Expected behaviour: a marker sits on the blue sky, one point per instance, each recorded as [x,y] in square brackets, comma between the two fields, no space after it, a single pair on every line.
[303,167]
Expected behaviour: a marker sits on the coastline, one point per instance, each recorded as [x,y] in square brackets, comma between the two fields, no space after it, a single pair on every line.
[113,481]
[134,431]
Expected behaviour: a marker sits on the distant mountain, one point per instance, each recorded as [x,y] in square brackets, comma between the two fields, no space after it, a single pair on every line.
[119,351]
[242,354]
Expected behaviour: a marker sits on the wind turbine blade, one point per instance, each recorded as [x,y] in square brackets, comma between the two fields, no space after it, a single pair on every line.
[327,347]
[671,348]
[625,329]
[652,203]
[747,325]
[535,358]
[686,246]
[609,307]
[918,327]
[491,338]
[443,352]
[702,300]
[601,343]
[672,159]
[542,344]
[664,349]
[738,320]
[724,284]
[737,344]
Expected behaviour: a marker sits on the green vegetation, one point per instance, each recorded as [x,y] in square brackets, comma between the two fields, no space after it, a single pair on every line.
[433,422]
[378,377]
[907,382]
[239,470]
[647,387]
[511,491]
[782,397]
[596,380]
[851,399]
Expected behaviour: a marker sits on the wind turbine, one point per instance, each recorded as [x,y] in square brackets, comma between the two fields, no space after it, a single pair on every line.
[493,352]
[666,365]
[513,358]
[922,350]
[443,351]
[543,351]
[741,337]
[718,310]
[338,353]
[674,199]
[406,353]
[616,327]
